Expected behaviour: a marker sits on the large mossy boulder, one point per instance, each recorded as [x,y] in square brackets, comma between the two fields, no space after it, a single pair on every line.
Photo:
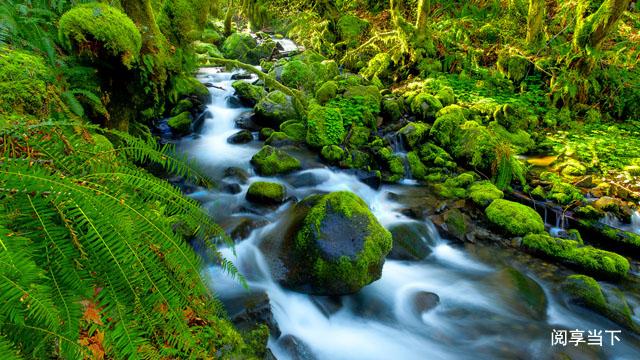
[238,46]
[585,291]
[324,126]
[414,134]
[575,254]
[249,94]
[24,84]
[513,218]
[269,193]
[335,246]
[97,30]
[296,74]
[425,106]
[270,161]
[484,193]
[274,109]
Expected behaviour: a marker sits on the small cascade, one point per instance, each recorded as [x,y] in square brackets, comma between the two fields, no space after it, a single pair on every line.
[635,222]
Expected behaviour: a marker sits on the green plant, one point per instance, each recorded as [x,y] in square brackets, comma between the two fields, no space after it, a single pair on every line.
[93,249]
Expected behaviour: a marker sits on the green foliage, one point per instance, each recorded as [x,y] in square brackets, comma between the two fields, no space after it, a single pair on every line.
[351,27]
[238,47]
[515,219]
[90,253]
[484,192]
[586,258]
[324,126]
[93,26]
[297,74]
[326,92]
[332,153]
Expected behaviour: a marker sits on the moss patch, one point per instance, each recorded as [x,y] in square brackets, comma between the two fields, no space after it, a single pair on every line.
[516,219]
[270,161]
[266,193]
[586,258]
[324,126]
[484,192]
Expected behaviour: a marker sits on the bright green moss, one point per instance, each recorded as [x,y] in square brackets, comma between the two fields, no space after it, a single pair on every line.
[418,170]
[248,93]
[414,134]
[516,219]
[391,163]
[359,136]
[278,139]
[295,130]
[180,124]
[23,83]
[447,123]
[513,65]
[186,86]
[324,126]
[392,109]
[209,50]
[270,161]
[425,106]
[434,156]
[484,192]
[182,106]
[370,95]
[276,108]
[211,36]
[456,187]
[326,92]
[351,27]
[586,258]
[266,192]
[297,74]
[332,153]
[378,66]
[85,24]
[344,274]
[446,96]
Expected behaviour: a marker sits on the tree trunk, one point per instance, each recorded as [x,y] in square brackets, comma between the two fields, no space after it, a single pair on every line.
[592,30]
[142,15]
[535,19]
[227,19]
[424,8]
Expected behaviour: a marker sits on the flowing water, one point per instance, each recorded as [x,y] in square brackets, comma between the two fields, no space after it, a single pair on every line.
[479,315]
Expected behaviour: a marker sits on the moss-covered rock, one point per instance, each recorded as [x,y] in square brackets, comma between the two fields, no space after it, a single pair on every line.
[411,241]
[392,109]
[211,36]
[116,34]
[238,46]
[339,247]
[378,67]
[279,139]
[484,192]
[391,164]
[448,122]
[249,94]
[263,192]
[294,130]
[456,187]
[24,79]
[206,49]
[418,170]
[275,109]
[515,219]
[180,124]
[324,126]
[184,86]
[585,291]
[359,136]
[297,75]
[446,96]
[270,161]
[182,106]
[530,295]
[586,258]
[436,157]
[326,92]
[513,65]
[425,106]
[332,154]
[414,134]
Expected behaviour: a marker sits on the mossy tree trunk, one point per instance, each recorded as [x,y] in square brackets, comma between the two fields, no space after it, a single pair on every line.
[592,29]
[535,18]
[227,18]
[424,8]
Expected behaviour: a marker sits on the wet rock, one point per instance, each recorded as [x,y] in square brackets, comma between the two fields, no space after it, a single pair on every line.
[231,188]
[424,301]
[268,193]
[528,294]
[516,219]
[234,102]
[241,76]
[307,179]
[295,348]
[241,137]
[279,139]
[615,206]
[411,241]
[329,305]
[257,310]
[244,228]
[237,174]
[275,109]
[270,161]
[246,121]
[456,224]
[373,179]
[328,245]
[248,94]
[199,121]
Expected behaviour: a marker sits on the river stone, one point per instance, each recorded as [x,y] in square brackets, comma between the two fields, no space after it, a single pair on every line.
[330,245]
[411,241]
[257,310]
[270,161]
[236,173]
[231,188]
[424,301]
[245,226]
[274,109]
[234,102]
[529,296]
[269,193]
[307,179]
[295,348]
[241,137]
[246,121]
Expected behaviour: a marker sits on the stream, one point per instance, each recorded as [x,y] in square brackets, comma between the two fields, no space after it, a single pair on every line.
[478,316]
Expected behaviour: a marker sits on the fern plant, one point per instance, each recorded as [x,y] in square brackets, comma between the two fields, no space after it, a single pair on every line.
[93,257]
